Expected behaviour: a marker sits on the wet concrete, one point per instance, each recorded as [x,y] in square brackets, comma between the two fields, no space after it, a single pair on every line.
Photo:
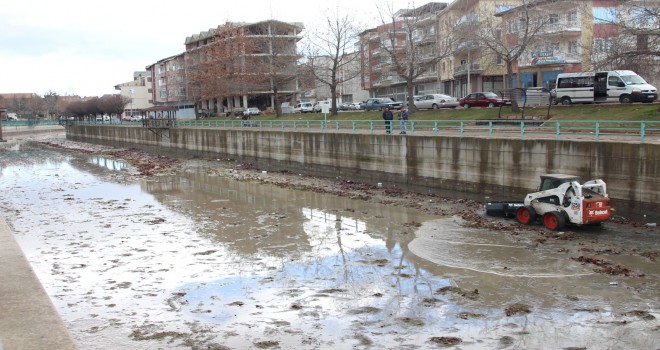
[197,259]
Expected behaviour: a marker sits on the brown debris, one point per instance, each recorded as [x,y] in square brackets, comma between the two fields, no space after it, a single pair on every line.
[604,266]
[517,308]
[446,340]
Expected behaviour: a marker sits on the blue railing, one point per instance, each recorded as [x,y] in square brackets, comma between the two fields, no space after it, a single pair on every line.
[29,122]
[610,130]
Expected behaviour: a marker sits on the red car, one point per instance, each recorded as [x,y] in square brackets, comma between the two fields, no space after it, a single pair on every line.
[483,99]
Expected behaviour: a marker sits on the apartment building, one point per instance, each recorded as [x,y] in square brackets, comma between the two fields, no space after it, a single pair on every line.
[577,36]
[349,87]
[138,92]
[445,36]
[378,45]
[168,80]
[240,65]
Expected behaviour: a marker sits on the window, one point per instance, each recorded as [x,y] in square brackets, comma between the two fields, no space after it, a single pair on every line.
[572,17]
[642,42]
[499,60]
[553,18]
[161,82]
[573,47]
[163,93]
[554,47]
[602,45]
[513,27]
[604,15]
[614,81]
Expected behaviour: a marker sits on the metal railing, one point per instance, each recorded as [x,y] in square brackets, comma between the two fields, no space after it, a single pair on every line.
[603,130]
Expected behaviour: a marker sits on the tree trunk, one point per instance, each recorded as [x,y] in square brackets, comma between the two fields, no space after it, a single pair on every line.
[333,96]
[509,73]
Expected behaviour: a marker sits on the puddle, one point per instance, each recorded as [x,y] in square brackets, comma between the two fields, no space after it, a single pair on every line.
[197,260]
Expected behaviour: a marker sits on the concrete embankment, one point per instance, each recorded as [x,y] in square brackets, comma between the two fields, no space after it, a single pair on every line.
[28,318]
[10,133]
[484,165]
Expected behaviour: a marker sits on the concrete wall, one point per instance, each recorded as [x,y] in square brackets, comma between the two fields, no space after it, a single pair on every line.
[498,166]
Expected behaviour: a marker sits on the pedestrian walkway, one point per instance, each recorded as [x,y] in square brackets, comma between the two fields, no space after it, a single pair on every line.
[28,319]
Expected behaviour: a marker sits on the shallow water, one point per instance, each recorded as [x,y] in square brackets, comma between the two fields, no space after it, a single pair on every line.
[199,260]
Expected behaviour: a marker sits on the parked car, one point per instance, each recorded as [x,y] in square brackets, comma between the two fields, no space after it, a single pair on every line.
[435,101]
[356,106]
[304,107]
[379,103]
[484,99]
[253,111]
[344,107]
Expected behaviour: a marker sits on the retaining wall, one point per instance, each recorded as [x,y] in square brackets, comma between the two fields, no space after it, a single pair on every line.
[631,170]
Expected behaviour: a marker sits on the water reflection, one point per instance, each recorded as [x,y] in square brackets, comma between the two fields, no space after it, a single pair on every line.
[109,164]
[198,259]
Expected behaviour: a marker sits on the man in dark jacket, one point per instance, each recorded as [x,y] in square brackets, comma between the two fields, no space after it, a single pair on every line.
[387,117]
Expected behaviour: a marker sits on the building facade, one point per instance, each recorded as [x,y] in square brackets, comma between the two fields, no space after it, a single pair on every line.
[241,65]
[169,85]
[138,92]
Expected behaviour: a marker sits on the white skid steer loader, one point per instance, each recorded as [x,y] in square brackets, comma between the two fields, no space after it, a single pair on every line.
[561,199]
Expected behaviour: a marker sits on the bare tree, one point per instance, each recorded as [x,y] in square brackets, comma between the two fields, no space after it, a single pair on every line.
[634,38]
[509,33]
[218,70]
[413,44]
[331,58]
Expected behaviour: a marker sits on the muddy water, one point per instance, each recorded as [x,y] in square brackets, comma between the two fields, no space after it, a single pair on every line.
[199,260]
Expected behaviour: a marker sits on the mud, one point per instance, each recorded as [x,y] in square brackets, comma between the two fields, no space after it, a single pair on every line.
[143,251]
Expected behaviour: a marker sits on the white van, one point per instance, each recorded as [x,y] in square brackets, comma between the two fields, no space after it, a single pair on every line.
[623,86]
[318,106]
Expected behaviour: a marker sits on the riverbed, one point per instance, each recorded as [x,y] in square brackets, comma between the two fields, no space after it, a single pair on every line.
[214,255]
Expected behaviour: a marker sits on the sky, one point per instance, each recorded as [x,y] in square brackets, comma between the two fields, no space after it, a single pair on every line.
[85,48]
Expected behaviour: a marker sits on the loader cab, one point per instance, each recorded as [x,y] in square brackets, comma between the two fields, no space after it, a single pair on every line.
[551,181]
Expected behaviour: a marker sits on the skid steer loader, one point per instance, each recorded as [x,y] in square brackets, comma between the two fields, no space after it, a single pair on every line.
[561,199]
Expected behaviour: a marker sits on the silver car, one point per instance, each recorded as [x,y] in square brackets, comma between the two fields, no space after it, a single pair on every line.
[435,101]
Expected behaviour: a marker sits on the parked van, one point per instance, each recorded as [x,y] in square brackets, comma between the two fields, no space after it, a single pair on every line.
[318,106]
[624,86]
[304,107]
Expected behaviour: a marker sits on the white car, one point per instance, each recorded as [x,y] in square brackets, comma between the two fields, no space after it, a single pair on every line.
[435,101]
[304,107]
[253,111]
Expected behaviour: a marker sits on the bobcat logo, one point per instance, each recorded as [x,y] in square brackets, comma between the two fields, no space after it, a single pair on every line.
[575,206]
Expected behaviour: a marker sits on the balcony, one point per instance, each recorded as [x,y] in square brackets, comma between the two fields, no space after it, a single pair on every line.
[474,68]
[562,27]
[467,20]
[465,45]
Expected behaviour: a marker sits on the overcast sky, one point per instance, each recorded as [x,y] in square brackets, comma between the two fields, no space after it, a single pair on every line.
[86,47]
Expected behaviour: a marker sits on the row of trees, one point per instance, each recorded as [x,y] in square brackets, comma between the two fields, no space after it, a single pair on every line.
[51,105]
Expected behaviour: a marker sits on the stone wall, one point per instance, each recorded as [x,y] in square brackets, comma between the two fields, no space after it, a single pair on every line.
[487,166]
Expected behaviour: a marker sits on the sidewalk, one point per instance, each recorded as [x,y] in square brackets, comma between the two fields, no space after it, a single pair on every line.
[28,319]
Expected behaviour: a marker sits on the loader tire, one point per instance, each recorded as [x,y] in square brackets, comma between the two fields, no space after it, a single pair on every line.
[554,220]
[526,215]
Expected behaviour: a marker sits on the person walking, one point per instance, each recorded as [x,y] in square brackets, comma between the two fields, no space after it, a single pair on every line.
[403,119]
[387,117]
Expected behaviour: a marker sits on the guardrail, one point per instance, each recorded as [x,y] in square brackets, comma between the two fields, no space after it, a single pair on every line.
[29,122]
[610,130]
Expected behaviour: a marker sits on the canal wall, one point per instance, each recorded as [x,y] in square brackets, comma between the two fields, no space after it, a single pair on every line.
[490,166]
